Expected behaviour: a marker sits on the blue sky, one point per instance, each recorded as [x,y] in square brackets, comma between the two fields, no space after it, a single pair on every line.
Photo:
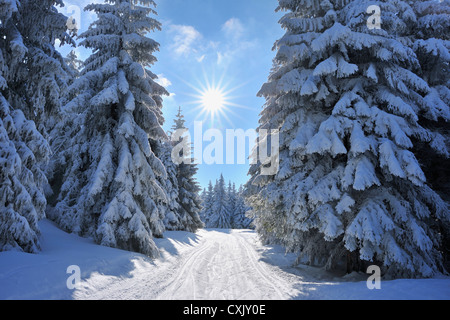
[225,43]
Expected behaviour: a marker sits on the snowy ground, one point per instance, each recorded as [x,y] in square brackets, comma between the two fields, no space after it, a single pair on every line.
[209,265]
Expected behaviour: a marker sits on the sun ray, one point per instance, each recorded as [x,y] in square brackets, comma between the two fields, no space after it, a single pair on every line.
[212,98]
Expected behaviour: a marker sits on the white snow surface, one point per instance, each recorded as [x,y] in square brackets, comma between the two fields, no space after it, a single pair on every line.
[212,264]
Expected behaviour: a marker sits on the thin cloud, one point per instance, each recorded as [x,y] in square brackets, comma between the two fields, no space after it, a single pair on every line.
[185,39]
[235,43]
[200,59]
[233,28]
[163,81]
[166,83]
[188,43]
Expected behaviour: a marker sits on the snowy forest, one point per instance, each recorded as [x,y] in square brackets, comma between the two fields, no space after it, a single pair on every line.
[85,148]
[363,115]
[224,207]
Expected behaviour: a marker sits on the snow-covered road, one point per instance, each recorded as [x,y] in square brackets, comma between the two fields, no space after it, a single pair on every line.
[226,266]
[207,265]
[214,265]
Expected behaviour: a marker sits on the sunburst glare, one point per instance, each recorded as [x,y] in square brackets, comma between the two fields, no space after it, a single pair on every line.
[213,101]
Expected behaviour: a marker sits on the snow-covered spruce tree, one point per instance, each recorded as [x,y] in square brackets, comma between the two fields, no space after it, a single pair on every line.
[74,64]
[188,188]
[207,204]
[110,190]
[432,49]
[346,100]
[22,148]
[432,46]
[42,76]
[220,215]
[231,199]
[172,220]
[237,208]
[240,219]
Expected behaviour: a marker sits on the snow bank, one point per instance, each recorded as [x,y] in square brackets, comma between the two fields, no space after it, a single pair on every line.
[43,276]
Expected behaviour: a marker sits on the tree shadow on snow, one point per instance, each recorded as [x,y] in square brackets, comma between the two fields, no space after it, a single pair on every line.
[313,283]
[226,231]
[174,239]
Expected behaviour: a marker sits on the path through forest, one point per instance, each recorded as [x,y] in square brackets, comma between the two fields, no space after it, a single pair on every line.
[212,265]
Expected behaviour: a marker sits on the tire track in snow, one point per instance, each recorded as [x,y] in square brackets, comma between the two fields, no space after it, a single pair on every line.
[184,274]
[224,265]
[280,285]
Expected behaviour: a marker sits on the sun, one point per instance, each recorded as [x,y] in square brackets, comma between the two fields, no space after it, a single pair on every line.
[213,99]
